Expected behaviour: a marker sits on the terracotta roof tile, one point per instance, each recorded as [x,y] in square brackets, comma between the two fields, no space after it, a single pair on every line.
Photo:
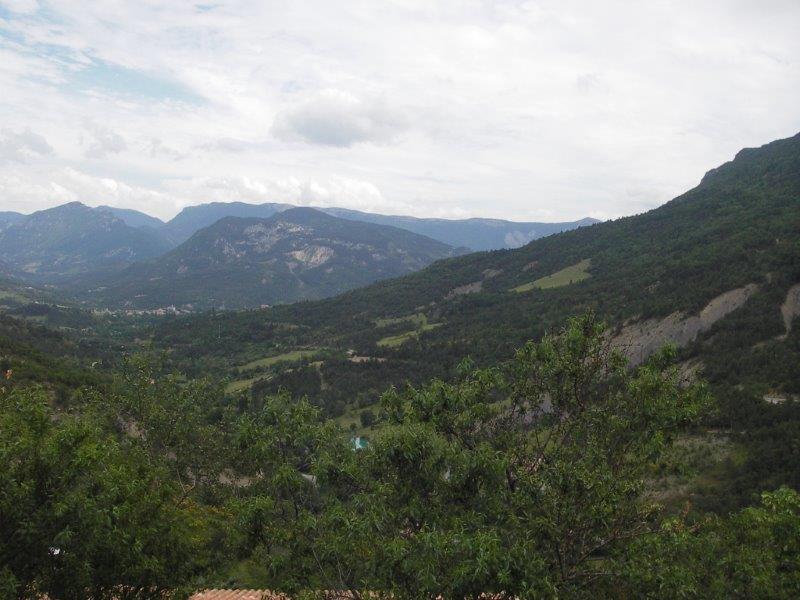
[267,595]
[238,595]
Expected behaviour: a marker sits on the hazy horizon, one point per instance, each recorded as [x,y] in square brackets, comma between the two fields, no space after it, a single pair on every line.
[166,220]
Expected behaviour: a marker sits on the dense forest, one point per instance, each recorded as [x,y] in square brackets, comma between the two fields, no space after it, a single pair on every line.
[530,480]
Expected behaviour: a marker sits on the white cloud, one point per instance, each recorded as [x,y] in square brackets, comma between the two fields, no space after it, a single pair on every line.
[226,144]
[21,6]
[31,191]
[335,118]
[341,191]
[48,187]
[22,146]
[25,195]
[157,148]
[104,142]
[97,191]
[231,189]
[334,191]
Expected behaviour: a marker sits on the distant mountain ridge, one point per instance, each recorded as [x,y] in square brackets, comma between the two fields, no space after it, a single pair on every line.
[475,233]
[9,218]
[58,243]
[194,218]
[74,242]
[296,254]
[134,218]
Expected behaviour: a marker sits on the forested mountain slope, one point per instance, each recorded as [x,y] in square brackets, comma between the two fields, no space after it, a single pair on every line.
[33,353]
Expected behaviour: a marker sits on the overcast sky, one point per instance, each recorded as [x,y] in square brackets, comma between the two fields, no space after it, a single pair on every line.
[540,110]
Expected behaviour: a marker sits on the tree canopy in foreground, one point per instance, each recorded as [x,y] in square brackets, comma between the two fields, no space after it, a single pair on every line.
[528,479]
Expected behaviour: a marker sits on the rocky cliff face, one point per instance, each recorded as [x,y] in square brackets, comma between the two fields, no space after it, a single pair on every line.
[640,339]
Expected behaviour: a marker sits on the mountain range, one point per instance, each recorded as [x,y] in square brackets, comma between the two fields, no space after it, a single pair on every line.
[475,234]
[134,218]
[84,248]
[299,253]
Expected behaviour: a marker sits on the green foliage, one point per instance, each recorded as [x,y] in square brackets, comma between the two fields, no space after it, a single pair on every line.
[514,480]
[278,503]
[392,341]
[367,418]
[268,361]
[417,320]
[746,357]
[180,425]
[753,554]
[528,479]
[31,353]
[81,513]
[520,480]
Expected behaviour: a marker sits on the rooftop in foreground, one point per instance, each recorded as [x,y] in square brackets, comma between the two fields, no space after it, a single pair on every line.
[216,594]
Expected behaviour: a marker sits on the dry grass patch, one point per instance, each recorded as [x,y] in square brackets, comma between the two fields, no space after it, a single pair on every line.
[572,274]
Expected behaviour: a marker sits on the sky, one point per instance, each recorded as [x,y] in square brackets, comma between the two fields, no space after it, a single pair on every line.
[525,110]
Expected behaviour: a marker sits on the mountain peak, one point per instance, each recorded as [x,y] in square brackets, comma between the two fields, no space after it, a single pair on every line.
[131,217]
[194,218]
[772,162]
[73,206]
[304,214]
